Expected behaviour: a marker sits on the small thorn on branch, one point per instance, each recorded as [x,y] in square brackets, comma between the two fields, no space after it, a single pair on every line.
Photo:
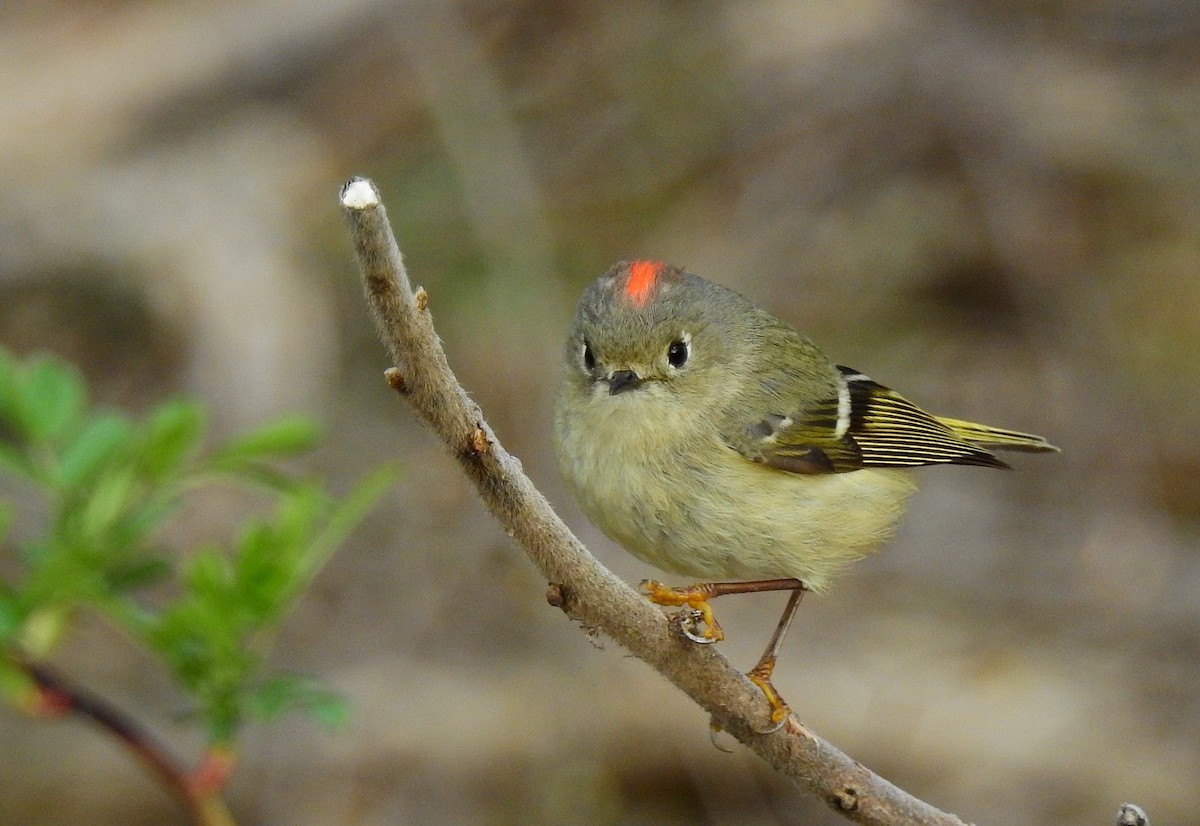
[395,380]
[561,596]
[557,595]
[846,799]
[478,444]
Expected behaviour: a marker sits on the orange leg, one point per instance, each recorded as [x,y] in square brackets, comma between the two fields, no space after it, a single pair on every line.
[696,598]
[760,675]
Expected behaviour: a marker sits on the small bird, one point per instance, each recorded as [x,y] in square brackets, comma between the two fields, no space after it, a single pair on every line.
[714,441]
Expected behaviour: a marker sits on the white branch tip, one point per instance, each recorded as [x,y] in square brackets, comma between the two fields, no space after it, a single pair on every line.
[359,193]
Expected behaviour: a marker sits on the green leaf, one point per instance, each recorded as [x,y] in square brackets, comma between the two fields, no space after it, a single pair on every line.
[9,406]
[274,697]
[172,437]
[43,629]
[286,692]
[33,552]
[330,709]
[275,573]
[286,437]
[101,439]
[209,575]
[10,608]
[349,512]
[51,398]
[264,566]
[110,484]
[15,684]
[98,515]
[14,434]
[11,615]
[137,573]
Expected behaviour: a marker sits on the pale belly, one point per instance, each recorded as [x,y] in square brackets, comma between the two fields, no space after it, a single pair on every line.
[728,518]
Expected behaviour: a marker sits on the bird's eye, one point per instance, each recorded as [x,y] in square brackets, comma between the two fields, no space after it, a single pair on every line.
[677,353]
[589,358]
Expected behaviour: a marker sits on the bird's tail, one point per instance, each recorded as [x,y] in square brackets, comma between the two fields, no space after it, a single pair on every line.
[995,437]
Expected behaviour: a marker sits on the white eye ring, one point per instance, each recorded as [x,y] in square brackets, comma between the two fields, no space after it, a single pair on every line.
[679,351]
[586,357]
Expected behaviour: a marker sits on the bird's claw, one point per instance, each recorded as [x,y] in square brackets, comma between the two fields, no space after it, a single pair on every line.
[777,724]
[713,731]
[688,620]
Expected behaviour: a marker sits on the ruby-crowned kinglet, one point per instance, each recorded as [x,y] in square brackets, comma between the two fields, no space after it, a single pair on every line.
[712,440]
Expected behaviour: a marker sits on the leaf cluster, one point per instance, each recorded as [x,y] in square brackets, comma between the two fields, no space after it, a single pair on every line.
[109,487]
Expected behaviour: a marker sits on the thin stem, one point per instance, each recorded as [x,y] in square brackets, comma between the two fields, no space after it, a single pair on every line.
[59,695]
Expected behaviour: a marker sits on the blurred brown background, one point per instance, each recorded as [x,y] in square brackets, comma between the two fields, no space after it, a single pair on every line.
[992,206]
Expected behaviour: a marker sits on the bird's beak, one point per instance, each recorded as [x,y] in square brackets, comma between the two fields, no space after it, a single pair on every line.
[623,380]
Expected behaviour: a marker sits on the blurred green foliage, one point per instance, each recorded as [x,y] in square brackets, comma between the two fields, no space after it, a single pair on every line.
[110,486]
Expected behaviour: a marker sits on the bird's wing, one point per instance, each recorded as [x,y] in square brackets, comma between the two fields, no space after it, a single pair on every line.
[864,424]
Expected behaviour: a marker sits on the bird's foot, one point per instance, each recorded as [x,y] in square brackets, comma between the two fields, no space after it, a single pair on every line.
[697,622]
[760,675]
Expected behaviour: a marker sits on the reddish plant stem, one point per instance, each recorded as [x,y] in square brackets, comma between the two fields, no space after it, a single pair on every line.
[59,696]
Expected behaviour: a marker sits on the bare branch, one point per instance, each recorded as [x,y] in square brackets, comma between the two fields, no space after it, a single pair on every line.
[583,588]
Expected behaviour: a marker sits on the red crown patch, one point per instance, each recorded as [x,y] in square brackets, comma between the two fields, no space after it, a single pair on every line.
[642,277]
